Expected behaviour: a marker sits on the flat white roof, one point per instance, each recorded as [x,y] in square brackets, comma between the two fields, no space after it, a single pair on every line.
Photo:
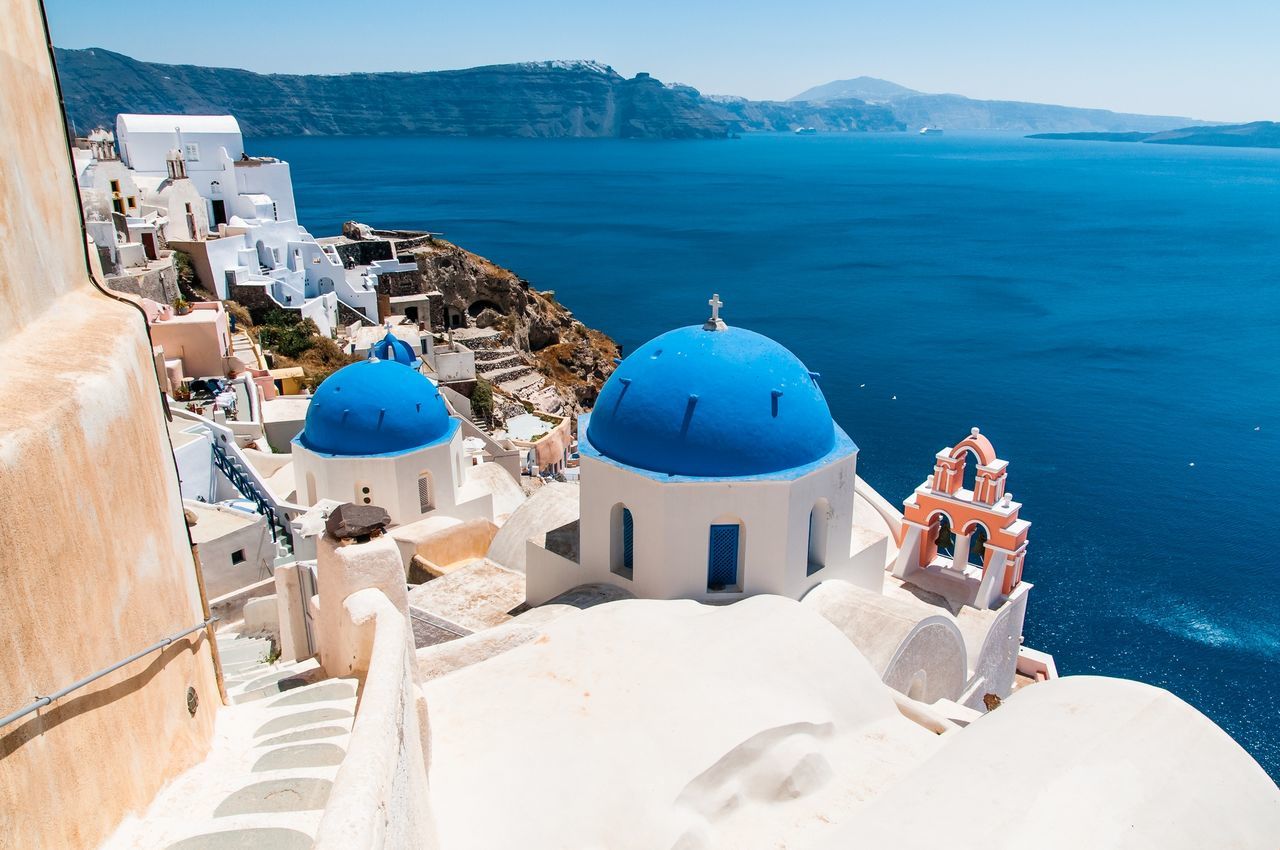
[134,123]
[526,426]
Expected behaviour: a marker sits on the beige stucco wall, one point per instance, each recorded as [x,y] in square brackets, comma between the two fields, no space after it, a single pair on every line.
[95,563]
[462,541]
[200,339]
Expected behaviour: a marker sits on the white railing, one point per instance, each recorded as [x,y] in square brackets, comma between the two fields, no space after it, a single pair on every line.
[380,796]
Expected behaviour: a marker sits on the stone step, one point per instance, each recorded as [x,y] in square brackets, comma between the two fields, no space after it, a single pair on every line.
[499,365]
[501,376]
[269,773]
[489,354]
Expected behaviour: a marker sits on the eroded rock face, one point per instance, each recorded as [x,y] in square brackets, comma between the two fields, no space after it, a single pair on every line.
[573,357]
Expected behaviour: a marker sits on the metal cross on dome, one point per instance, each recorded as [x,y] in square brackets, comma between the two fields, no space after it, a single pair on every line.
[715,323]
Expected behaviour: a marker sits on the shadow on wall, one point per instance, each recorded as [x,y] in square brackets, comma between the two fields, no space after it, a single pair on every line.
[72,707]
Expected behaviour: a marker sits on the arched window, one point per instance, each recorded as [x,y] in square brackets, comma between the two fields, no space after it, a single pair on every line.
[818,522]
[971,463]
[426,496]
[978,537]
[945,539]
[266,259]
[725,548]
[622,542]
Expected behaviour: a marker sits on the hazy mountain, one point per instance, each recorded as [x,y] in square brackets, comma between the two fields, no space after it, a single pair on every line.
[1258,134]
[956,112]
[533,99]
[870,89]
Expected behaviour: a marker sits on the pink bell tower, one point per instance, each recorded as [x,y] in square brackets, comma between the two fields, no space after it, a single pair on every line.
[975,534]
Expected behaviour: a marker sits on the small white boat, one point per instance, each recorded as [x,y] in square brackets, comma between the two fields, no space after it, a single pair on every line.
[806,131]
[931,131]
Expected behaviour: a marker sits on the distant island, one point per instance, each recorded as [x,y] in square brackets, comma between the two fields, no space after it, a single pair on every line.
[956,112]
[1257,134]
[553,99]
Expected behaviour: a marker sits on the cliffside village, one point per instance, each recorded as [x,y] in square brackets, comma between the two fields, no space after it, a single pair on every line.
[471,582]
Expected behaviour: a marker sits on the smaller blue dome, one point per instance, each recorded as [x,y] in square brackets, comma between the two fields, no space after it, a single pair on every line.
[375,407]
[391,347]
[712,404]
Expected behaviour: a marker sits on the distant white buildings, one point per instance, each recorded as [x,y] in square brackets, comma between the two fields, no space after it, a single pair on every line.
[212,149]
[185,182]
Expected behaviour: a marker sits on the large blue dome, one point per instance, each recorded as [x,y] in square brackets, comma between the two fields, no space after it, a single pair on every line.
[375,407]
[712,404]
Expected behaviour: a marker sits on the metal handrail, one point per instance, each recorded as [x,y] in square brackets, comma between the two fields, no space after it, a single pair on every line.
[41,702]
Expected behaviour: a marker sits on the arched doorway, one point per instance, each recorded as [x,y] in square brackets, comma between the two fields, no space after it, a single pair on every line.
[622,538]
[818,523]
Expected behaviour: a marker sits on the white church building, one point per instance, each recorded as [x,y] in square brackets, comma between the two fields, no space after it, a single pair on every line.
[378,432]
[711,469]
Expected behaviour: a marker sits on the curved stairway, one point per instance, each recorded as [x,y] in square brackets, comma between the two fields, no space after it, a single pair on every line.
[275,753]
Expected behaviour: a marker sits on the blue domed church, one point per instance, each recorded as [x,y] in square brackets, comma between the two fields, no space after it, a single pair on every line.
[378,432]
[711,469]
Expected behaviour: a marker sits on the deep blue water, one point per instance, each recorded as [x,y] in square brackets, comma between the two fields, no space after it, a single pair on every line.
[1109,315]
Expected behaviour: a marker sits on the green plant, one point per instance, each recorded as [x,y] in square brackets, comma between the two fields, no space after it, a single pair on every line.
[482,398]
[188,282]
[272,655]
[290,340]
[181,305]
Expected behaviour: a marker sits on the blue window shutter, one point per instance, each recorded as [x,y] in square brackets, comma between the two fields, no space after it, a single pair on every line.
[628,539]
[722,557]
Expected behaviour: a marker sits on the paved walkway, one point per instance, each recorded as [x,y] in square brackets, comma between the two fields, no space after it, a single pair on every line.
[275,752]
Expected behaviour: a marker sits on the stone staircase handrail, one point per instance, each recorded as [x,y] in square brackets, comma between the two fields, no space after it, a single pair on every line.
[380,795]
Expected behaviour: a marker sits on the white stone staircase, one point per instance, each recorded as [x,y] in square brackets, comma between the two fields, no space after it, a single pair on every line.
[275,753]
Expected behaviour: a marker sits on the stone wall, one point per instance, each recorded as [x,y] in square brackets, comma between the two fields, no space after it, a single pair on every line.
[402,283]
[159,283]
[253,297]
[348,315]
[96,559]
[365,252]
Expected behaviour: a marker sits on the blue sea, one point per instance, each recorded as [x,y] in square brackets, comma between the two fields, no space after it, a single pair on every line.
[1109,314]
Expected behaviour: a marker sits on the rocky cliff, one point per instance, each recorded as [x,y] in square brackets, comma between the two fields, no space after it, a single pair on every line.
[575,359]
[533,99]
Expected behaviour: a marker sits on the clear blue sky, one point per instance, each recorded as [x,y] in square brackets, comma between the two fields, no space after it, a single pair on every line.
[1213,60]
